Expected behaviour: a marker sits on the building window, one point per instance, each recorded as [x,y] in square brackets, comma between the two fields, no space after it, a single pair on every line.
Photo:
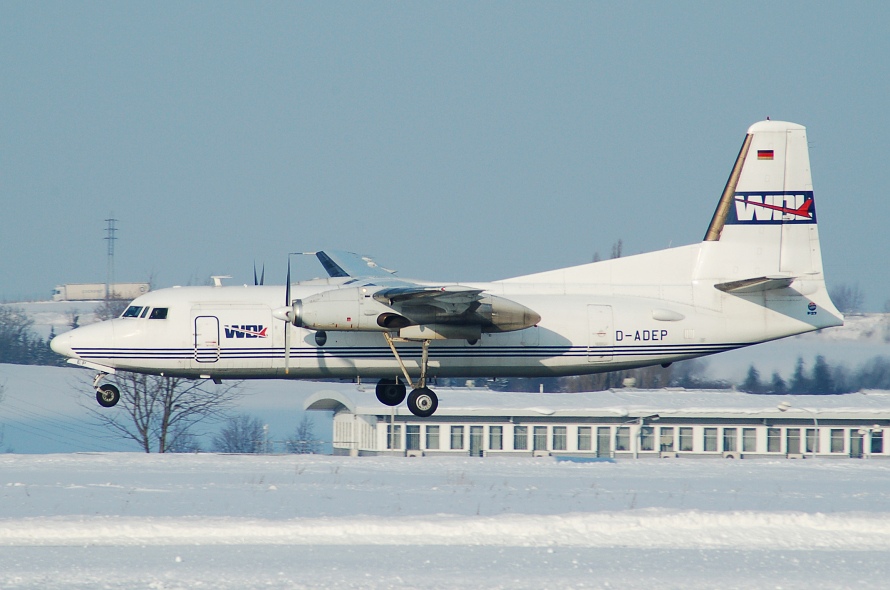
[432,437]
[559,438]
[685,438]
[730,440]
[792,441]
[412,437]
[604,441]
[774,440]
[496,438]
[540,441]
[749,440]
[837,440]
[457,437]
[584,438]
[647,438]
[666,440]
[710,439]
[393,436]
[520,438]
[622,438]
[812,440]
[877,441]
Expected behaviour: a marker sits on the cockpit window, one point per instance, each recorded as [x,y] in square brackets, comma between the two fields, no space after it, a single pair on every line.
[144,312]
[158,313]
[132,312]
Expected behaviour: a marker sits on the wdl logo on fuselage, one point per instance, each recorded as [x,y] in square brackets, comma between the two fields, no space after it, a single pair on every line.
[246,331]
[773,207]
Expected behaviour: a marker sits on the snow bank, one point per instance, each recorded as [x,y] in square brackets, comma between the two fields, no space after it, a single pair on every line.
[650,528]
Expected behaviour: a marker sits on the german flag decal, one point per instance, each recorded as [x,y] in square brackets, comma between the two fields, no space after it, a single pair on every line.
[764,154]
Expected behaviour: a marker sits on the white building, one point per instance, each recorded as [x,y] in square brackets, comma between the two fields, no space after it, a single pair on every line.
[616,423]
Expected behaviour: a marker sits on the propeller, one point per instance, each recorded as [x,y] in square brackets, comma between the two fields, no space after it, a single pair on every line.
[287,303]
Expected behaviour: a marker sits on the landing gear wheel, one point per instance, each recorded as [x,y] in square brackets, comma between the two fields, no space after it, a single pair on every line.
[423,402]
[390,393]
[108,396]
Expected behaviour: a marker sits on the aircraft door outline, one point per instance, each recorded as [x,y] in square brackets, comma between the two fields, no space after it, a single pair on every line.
[207,348]
[599,332]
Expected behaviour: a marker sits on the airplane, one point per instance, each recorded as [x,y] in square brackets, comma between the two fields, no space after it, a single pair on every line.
[756,276]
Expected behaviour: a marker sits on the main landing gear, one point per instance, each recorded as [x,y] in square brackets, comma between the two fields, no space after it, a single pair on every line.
[107,395]
[422,401]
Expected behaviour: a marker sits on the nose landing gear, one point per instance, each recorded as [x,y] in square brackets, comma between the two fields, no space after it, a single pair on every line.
[107,395]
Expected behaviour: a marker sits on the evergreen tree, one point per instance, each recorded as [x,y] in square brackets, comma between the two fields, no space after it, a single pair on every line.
[822,382]
[800,383]
[752,381]
[777,385]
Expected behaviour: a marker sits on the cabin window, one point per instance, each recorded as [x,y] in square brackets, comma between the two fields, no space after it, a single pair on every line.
[132,312]
[158,313]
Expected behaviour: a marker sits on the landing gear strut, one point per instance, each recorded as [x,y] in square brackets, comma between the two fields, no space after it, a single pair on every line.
[107,395]
[422,401]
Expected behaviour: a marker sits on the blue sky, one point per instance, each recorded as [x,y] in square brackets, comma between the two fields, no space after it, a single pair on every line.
[452,141]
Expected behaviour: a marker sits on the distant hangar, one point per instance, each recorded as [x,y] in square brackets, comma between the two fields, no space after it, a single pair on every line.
[619,423]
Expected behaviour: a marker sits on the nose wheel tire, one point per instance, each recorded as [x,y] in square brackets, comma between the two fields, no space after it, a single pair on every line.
[108,396]
[422,402]
[390,393]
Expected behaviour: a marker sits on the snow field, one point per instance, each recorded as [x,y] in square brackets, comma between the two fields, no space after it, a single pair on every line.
[121,520]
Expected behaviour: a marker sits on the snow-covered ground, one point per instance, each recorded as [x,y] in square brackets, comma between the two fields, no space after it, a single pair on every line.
[124,520]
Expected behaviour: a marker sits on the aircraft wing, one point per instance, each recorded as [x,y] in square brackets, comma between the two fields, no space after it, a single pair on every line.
[339,263]
[418,294]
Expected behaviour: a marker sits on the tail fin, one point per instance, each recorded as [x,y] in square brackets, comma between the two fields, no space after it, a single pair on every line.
[765,222]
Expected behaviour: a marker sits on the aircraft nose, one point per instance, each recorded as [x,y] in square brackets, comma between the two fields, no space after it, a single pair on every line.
[61,344]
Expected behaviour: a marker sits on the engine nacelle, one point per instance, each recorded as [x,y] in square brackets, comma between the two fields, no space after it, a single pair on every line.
[341,309]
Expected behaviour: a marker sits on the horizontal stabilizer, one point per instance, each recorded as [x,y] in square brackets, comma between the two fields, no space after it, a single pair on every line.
[756,284]
[338,263]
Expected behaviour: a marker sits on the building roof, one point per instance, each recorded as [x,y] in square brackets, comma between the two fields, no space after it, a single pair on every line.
[620,403]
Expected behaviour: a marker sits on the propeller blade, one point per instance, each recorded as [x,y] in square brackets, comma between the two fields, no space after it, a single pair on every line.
[287,326]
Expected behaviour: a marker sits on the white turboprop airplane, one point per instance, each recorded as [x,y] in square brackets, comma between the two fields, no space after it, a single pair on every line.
[756,276]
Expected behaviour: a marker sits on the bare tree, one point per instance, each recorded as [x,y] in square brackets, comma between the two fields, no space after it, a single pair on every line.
[111,308]
[159,413]
[303,441]
[240,434]
[617,248]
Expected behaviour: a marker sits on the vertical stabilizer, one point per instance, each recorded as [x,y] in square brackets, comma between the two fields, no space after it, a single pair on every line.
[765,222]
